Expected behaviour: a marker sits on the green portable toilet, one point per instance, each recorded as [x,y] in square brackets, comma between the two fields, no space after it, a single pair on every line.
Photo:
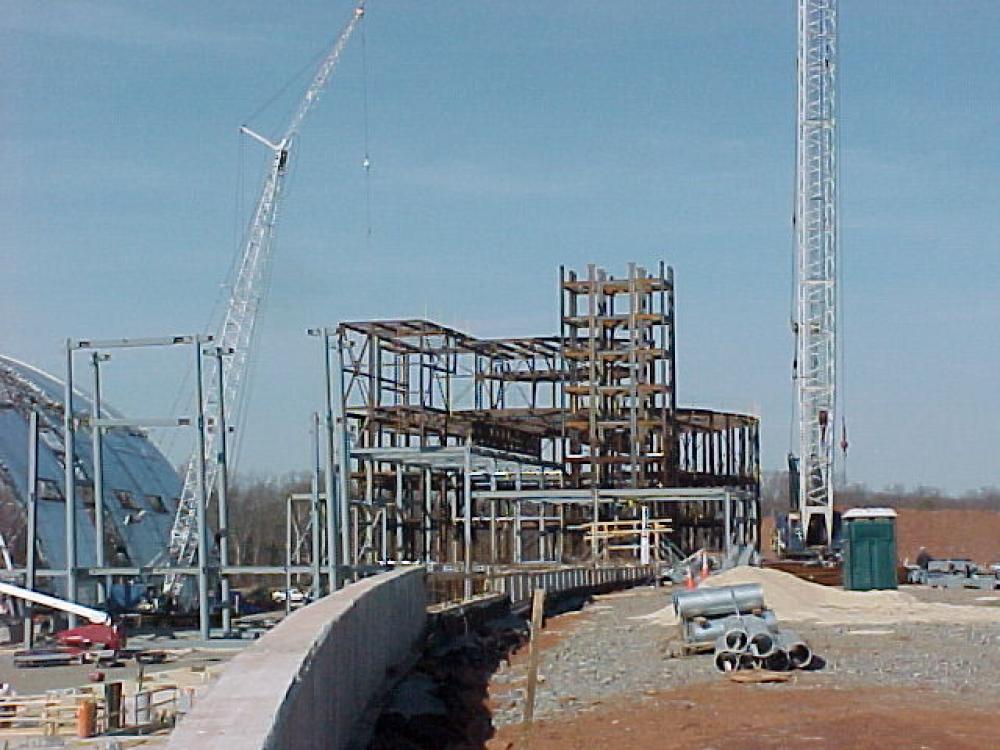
[869,549]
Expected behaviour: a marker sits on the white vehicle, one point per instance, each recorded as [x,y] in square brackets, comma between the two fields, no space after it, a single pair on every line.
[294,596]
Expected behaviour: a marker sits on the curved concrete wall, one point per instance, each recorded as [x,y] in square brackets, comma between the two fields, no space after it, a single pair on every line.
[306,684]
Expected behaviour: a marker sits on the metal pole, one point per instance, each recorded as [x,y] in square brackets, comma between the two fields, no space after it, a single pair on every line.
[399,513]
[384,552]
[29,552]
[345,460]
[727,513]
[595,502]
[288,555]
[428,490]
[540,506]
[97,434]
[337,540]
[493,516]
[69,490]
[467,531]
[560,542]
[203,619]
[518,549]
[370,503]
[317,586]
[223,489]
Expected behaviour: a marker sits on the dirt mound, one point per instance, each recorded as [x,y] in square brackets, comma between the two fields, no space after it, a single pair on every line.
[945,533]
[949,533]
[795,600]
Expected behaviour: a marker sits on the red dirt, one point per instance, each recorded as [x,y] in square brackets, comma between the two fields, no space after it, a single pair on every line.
[945,533]
[949,533]
[752,717]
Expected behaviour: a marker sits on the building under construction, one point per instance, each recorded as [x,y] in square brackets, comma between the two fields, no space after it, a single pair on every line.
[560,448]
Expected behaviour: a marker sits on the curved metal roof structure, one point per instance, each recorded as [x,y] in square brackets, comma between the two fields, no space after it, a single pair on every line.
[141,488]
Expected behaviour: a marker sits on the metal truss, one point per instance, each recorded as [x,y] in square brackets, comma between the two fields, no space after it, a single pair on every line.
[816,246]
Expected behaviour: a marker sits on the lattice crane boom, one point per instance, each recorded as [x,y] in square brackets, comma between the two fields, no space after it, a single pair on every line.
[246,295]
[816,250]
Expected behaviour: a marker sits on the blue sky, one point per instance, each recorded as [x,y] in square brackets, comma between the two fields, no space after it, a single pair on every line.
[507,139]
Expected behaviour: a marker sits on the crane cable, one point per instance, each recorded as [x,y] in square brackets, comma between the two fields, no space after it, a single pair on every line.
[366,162]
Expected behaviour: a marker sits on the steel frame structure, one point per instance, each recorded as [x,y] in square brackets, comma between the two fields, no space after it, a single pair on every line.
[446,440]
[98,424]
[816,249]
[618,355]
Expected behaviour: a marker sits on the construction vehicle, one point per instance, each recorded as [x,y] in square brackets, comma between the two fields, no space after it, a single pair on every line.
[98,640]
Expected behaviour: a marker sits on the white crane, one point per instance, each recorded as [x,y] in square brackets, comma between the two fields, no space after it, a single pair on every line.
[247,292]
[816,250]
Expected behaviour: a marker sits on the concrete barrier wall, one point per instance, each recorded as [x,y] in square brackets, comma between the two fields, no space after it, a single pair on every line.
[305,684]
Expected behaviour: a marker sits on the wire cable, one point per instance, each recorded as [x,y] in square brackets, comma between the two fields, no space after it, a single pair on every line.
[366,163]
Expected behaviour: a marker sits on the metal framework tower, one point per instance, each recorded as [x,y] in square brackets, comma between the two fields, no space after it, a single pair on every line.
[248,286]
[816,243]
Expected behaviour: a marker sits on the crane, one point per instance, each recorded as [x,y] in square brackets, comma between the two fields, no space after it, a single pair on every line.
[237,330]
[816,248]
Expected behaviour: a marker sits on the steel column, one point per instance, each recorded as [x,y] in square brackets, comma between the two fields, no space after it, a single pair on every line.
[202,496]
[317,553]
[222,477]
[97,434]
[467,530]
[69,491]
[29,551]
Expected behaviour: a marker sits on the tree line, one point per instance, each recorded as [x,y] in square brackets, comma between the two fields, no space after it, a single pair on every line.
[775,496]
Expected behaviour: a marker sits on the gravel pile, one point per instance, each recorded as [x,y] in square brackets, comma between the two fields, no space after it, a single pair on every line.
[796,600]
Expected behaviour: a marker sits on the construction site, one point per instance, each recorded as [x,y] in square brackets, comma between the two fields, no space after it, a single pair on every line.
[491,542]
[561,449]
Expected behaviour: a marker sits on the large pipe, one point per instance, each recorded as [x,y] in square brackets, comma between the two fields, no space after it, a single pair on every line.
[799,654]
[725,600]
[763,641]
[736,639]
[706,630]
[727,661]
[777,662]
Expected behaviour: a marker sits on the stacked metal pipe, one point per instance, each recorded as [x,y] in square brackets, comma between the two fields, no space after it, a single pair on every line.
[746,634]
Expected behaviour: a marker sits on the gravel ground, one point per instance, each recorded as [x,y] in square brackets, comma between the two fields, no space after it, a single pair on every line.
[609,653]
[961,660]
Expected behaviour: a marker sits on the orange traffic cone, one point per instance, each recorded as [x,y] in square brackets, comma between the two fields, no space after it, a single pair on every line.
[704,566]
[689,579]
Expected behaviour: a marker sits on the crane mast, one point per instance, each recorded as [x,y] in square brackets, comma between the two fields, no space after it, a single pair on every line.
[247,291]
[816,249]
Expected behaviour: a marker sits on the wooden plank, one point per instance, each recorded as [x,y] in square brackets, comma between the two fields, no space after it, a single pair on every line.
[537,611]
